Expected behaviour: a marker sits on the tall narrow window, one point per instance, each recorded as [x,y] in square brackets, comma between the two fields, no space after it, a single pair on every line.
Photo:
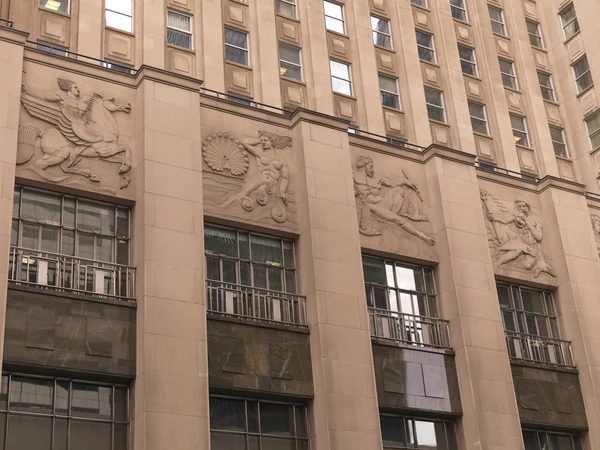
[582,74]
[546,86]
[409,432]
[61,6]
[478,118]
[593,127]
[459,10]
[388,88]
[425,46]
[236,46]
[558,141]
[507,69]
[381,32]
[497,20]
[119,14]
[569,21]
[179,29]
[519,129]
[334,17]
[435,105]
[535,34]
[286,8]
[543,440]
[468,63]
[341,79]
[290,62]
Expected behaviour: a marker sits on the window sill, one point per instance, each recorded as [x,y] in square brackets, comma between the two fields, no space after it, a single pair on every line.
[437,122]
[524,147]
[433,64]
[292,80]
[336,33]
[391,50]
[349,97]
[279,15]
[539,49]
[51,11]
[579,94]
[396,110]
[462,22]
[566,41]
[516,91]
[472,76]
[551,102]
[241,66]
[501,35]
[564,158]
[183,49]
[117,30]
[423,8]
[486,136]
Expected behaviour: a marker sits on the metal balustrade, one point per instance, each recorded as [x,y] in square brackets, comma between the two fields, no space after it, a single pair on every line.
[420,331]
[538,349]
[255,303]
[70,273]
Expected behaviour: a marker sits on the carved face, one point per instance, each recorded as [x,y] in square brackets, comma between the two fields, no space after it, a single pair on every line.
[266,142]
[369,169]
[74,89]
[522,208]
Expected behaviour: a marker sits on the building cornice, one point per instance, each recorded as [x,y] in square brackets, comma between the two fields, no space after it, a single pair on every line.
[12,35]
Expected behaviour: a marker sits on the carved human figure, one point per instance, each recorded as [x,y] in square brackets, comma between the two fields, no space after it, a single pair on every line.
[521,241]
[392,204]
[272,170]
[596,226]
[83,128]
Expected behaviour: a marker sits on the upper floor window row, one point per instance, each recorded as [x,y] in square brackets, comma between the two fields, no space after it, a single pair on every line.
[119,14]
[569,21]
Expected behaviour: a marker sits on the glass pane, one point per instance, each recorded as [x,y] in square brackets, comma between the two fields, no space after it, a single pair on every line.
[253,426]
[49,239]
[213,269]
[179,38]
[334,25]
[341,86]
[61,430]
[382,40]
[31,395]
[275,279]
[122,222]
[374,271]
[245,274]
[229,271]
[104,249]
[277,419]
[224,441]
[62,398]
[14,233]
[122,252]
[121,398]
[568,14]
[339,70]
[120,6]
[290,71]
[393,431]
[531,324]
[30,236]
[290,282]
[121,437]
[288,254]
[68,243]
[388,84]
[411,279]
[119,21]
[179,21]
[381,25]
[95,217]
[333,10]
[533,301]
[289,54]
[433,97]
[91,401]
[69,212]
[20,435]
[227,414]
[272,443]
[509,321]
[4,393]
[390,100]
[236,55]
[581,67]
[244,245]
[560,442]
[220,241]
[85,247]
[41,206]
[90,435]
[301,428]
[266,250]
[542,326]
[286,9]
[426,436]
[236,38]
[16,202]
[260,276]
[530,440]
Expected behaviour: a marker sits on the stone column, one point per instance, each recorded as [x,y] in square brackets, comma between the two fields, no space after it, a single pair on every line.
[89,35]
[344,414]
[567,226]
[467,297]
[171,387]
[11,75]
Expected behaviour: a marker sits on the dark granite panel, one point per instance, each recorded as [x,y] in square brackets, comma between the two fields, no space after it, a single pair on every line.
[410,379]
[259,358]
[69,332]
[549,397]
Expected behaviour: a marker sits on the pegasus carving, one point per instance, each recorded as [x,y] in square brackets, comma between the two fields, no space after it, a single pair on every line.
[82,128]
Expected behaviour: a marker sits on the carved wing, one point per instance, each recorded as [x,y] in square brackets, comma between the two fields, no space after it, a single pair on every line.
[41,109]
[222,152]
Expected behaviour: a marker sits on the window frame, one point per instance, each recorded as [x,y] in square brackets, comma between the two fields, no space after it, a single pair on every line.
[462,9]
[468,62]
[349,80]
[342,20]
[396,94]
[409,423]
[106,9]
[426,48]
[502,22]
[512,76]
[299,50]
[575,438]
[437,107]
[68,13]
[525,130]
[293,3]
[181,30]
[562,143]
[573,20]
[535,37]
[594,134]
[246,50]
[577,78]
[418,3]
[377,32]
[483,120]
[52,49]
[547,89]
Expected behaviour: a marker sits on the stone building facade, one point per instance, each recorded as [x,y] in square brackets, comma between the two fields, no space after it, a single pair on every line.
[299,224]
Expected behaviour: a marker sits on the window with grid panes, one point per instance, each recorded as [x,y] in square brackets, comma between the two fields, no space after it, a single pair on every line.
[334,17]
[546,86]
[403,433]
[507,70]
[569,21]
[459,10]
[388,89]
[582,74]
[61,6]
[592,124]
[519,129]
[497,20]
[249,259]
[478,118]
[119,14]
[535,34]
[425,46]
[435,105]
[179,30]
[558,141]
[382,36]
[40,413]
[546,440]
[286,8]
[468,63]
[69,225]
[290,62]
[341,78]
[236,47]
[251,424]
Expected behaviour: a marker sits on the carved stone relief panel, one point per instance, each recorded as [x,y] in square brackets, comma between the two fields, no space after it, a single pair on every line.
[249,177]
[71,134]
[394,122]
[515,235]
[595,217]
[392,205]
[55,28]
[181,61]
[119,46]
[293,94]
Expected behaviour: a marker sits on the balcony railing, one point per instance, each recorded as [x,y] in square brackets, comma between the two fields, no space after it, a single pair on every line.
[70,273]
[538,349]
[420,331]
[255,303]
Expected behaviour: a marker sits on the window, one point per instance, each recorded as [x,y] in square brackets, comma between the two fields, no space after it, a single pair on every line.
[286,8]
[507,69]
[569,21]
[459,10]
[56,5]
[558,141]
[179,30]
[435,105]
[535,34]
[593,127]
[478,118]
[236,47]
[542,440]
[497,20]
[381,32]
[119,14]
[388,89]
[238,423]
[118,68]
[290,62]
[546,86]
[582,74]
[39,413]
[422,3]
[340,77]
[397,142]
[334,17]
[52,49]
[519,129]
[468,63]
[407,432]
[425,46]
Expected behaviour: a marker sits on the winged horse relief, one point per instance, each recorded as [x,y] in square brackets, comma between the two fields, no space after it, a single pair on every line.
[82,128]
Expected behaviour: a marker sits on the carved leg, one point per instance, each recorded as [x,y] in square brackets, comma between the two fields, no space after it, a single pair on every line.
[69,166]
[506,257]
[384,213]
